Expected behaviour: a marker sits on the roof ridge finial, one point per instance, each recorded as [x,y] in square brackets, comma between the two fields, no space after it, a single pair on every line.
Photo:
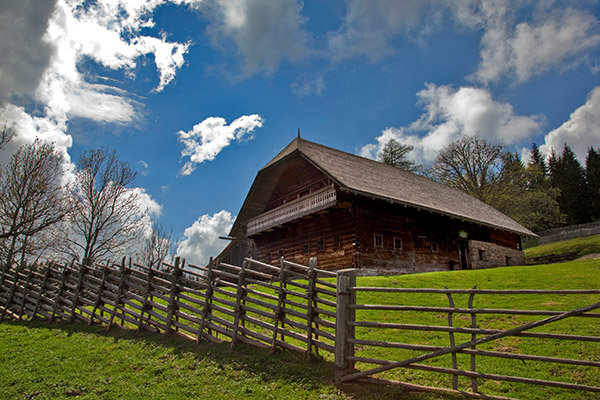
[298,133]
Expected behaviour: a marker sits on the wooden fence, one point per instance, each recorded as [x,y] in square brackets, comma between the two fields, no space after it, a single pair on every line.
[289,306]
[351,341]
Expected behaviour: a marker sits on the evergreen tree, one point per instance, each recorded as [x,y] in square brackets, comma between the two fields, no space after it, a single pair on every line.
[538,159]
[395,154]
[528,198]
[567,174]
[592,175]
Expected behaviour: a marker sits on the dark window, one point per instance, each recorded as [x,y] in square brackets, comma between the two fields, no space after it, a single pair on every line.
[507,261]
[281,253]
[321,245]
[482,255]
[306,248]
[397,244]
[337,241]
[378,241]
[434,247]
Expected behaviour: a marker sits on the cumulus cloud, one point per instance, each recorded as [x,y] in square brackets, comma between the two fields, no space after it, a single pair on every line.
[370,25]
[554,38]
[201,240]
[25,52]
[207,138]
[451,113]
[265,33]
[43,44]
[580,132]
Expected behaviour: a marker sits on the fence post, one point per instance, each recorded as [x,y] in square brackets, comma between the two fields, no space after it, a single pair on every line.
[279,314]
[452,341]
[26,291]
[61,287]
[346,279]
[145,306]
[38,302]
[11,294]
[119,299]
[473,338]
[312,266]
[174,292]
[210,277]
[77,293]
[241,293]
[98,301]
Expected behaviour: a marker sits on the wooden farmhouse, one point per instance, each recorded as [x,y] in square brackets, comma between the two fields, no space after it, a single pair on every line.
[349,211]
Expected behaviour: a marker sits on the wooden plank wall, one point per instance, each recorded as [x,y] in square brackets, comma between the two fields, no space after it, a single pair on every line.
[306,233]
[291,306]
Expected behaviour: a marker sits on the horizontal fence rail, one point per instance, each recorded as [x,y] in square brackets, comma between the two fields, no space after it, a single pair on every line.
[287,306]
[360,354]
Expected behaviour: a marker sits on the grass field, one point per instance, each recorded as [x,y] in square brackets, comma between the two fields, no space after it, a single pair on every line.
[50,361]
[583,246]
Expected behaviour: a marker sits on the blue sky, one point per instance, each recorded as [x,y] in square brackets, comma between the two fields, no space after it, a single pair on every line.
[198,95]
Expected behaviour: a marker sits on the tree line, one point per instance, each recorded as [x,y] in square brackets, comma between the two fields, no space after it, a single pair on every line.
[540,194]
[90,214]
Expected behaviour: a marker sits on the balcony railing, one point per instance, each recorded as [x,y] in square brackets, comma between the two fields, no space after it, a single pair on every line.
[312,203]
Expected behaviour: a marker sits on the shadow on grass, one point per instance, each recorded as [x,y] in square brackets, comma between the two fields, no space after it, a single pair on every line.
[283,366]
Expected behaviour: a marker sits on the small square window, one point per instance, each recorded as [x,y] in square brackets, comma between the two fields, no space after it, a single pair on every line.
[378,241]
[337,241]
[434,247]
[321,245]
[397,244]
[305,248]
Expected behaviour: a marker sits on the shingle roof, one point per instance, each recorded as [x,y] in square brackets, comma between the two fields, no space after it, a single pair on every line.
[374,179]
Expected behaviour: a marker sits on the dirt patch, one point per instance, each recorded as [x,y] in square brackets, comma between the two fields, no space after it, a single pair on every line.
[595,256]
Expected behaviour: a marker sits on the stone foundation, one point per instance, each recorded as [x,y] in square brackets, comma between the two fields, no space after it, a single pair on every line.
[489,255]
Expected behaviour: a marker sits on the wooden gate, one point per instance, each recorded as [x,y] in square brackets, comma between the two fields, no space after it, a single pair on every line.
[347,342]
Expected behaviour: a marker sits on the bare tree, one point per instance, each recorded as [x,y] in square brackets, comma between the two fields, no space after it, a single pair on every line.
[31,197]
[157,246]
[105,215]
[5,137]
[475,166]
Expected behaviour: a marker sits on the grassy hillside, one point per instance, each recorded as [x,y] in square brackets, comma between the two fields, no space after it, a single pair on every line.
[60,361]
[583,246]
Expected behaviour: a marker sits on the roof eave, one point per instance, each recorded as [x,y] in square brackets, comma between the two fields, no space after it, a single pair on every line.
[435,211]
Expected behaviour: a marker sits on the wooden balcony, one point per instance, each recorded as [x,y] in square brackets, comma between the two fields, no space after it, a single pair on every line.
[317,201]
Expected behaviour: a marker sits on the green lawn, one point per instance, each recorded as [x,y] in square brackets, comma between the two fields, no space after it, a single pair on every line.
[571,275]
[583,246]
[63,361]
[49,361]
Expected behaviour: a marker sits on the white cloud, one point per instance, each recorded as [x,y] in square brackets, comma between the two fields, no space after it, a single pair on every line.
[146,203]
[50,39]
[25,53]
[209,137]
[370,25]
[452,113]
[306,86]
[580,132]
[555,38]
[142,167]
[29,127]
[93,102]
[265,32]
[201,240]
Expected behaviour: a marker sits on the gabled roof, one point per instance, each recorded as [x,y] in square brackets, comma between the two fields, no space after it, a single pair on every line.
[373,179]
